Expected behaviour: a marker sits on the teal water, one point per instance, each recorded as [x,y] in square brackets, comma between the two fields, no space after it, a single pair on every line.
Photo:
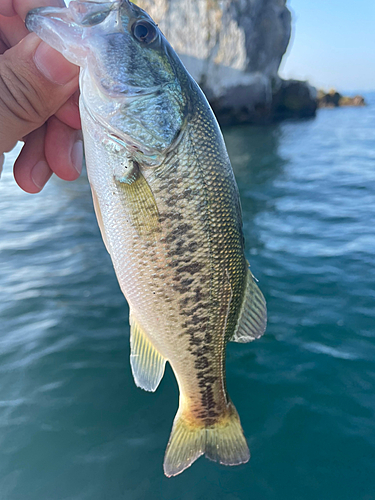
[73,426]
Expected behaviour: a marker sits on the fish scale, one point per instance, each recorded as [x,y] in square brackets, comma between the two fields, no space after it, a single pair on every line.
[169,212]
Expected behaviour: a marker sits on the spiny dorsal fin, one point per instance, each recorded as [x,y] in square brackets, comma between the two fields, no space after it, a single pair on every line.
[146,362]
[253,317]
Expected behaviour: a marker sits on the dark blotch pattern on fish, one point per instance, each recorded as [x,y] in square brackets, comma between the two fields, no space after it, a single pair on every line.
[202,256]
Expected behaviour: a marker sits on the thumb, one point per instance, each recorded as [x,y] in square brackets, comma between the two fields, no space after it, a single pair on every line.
[35,81]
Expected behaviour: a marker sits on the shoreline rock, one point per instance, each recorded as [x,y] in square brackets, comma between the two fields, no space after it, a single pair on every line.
[334,99]
[233,49]
[259,105]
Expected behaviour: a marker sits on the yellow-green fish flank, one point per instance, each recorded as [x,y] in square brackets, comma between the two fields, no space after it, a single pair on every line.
[169,212]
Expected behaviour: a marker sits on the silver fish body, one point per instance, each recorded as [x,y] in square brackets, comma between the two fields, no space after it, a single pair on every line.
[169,212]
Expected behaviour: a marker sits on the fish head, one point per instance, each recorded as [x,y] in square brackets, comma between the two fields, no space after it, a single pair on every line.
[129,79]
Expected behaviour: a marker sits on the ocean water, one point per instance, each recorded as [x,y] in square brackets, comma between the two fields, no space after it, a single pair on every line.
[73,426]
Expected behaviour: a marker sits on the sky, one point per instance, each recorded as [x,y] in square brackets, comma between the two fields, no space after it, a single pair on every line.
[333,44]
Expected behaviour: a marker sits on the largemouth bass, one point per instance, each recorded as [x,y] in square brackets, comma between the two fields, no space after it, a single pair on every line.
[169,213]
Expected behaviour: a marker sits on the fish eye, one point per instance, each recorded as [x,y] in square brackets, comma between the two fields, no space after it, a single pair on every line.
[95,19]
[144,31]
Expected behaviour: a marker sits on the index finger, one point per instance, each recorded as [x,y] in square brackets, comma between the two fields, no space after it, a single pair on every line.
[22,7]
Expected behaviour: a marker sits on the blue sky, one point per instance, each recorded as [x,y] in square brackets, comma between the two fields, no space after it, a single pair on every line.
[333,44]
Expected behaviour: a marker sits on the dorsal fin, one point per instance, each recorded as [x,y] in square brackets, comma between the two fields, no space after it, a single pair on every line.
[146,362]
[253,317]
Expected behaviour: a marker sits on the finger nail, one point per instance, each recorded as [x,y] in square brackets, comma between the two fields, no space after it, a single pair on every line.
[53,65]
[40,174]
[77,155]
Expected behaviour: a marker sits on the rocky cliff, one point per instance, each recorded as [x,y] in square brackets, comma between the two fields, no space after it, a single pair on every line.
[233,49]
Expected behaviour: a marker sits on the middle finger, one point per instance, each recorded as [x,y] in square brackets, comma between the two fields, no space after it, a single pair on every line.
[31,169]
[69,112]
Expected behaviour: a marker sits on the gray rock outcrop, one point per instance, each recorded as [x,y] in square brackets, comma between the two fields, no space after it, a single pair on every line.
[233,49]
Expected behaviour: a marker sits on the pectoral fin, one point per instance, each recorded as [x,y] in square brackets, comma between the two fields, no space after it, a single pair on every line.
[146,362]
[139,202]
[253,317]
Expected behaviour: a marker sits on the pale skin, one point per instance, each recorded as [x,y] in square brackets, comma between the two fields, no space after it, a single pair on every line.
[38,101]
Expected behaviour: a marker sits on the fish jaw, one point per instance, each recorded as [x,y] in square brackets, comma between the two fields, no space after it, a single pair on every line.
[65,30]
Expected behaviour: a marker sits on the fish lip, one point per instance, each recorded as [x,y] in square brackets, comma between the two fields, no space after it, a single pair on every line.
[53,13]
[57,23]
[66,14]
[64,28]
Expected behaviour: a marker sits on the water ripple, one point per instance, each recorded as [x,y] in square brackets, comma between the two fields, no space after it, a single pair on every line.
[74,426]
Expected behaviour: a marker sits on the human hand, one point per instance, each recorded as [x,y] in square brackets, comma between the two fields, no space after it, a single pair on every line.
[38,101]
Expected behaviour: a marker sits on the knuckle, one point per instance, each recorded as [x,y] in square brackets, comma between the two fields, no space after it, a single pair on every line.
[20,98]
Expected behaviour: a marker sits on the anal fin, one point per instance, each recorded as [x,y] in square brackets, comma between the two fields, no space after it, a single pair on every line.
[146,362]
[253,316]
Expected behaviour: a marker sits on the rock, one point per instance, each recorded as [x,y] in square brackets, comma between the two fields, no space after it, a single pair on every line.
[294,99]
[357,100]
[334,99]
[233,49]
[330,99]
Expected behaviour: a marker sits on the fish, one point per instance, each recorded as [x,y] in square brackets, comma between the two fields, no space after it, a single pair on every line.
[169,213]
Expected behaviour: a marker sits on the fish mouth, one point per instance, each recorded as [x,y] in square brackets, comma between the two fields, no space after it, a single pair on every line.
[65,29]
[57,27]
[69,30]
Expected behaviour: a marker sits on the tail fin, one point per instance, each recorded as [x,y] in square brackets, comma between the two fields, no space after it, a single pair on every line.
[222,442]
